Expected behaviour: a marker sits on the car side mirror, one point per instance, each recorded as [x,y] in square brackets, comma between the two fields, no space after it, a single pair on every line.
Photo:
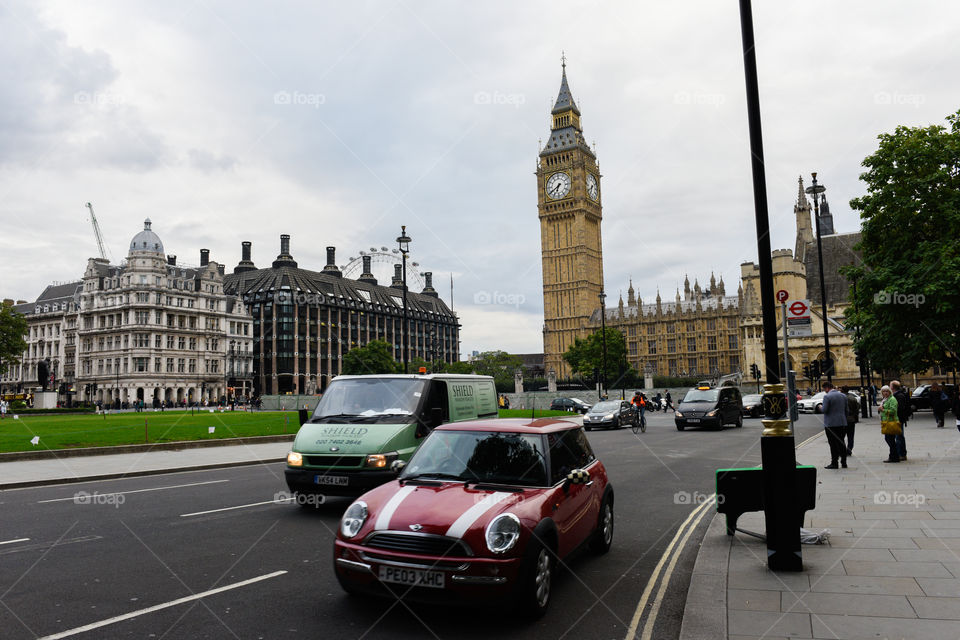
[577,476]
[436,417]
[397,466]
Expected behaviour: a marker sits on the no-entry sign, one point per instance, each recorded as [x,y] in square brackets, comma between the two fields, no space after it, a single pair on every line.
[798,319]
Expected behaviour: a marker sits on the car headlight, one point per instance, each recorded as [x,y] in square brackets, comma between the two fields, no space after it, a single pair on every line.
[678,414]
[380,460]
[294,459]
[609,416]
[712,413]
[502,533]
[353,519]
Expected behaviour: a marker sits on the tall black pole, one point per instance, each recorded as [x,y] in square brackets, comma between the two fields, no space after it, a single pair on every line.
[406,328]
[777,451]
[603,340]
[816,190]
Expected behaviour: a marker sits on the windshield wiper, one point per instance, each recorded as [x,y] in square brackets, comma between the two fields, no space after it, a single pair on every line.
[428,475]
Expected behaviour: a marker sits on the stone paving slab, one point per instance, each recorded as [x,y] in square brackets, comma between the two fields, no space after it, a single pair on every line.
[891,567]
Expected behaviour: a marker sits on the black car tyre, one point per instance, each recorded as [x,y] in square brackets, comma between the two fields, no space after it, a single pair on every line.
[679,427]
[739,421]
[587,428]
[537,582]
[818,408]
[603,536]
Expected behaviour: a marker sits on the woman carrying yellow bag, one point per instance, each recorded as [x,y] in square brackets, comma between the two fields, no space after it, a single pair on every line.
[889,424]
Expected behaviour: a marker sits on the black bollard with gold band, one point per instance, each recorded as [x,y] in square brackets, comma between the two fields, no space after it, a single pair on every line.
[779,462]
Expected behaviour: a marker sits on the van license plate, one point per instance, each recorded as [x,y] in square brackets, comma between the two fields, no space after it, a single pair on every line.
[412,577]
[340,481]
[692,420]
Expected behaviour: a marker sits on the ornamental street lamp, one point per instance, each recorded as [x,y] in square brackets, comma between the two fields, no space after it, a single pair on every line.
[815,190]
[404,241]
[603,340]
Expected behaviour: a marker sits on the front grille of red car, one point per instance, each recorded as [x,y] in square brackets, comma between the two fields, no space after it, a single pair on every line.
[420,543]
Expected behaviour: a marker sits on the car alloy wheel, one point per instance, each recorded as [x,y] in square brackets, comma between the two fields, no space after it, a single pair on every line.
[603,537]
[543,573]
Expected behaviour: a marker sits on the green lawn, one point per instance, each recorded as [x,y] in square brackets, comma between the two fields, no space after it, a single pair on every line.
[540,413]
[69,431]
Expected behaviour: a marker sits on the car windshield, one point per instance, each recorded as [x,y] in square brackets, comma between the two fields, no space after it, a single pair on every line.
[918,392]
[701,395]
[604,407]
[514,459]
[752,399]
[370,399]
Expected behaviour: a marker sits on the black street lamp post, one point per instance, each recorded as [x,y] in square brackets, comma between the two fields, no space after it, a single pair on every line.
[404,242]
[815,190]
[777,453]
[603,341]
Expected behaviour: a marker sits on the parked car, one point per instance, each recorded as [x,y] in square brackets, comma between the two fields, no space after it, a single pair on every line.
[705,406]
[483,512]
[610,414]
[813,404]
[569,404]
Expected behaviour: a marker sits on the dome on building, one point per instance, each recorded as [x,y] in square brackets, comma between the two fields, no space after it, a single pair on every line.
[146,240]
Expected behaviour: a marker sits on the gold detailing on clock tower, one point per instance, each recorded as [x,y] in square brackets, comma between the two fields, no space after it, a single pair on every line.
[569,203]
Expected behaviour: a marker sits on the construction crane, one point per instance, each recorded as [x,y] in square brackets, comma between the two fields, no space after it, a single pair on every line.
[96,232]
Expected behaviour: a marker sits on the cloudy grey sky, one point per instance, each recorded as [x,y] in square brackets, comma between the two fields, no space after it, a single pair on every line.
[337,122]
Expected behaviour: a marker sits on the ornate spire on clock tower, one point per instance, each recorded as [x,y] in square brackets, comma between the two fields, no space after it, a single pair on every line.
[570,211]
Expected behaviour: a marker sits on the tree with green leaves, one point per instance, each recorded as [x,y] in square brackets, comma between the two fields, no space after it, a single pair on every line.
[498,364]
[374,357]
[13,327]
[906,293]
[585,355]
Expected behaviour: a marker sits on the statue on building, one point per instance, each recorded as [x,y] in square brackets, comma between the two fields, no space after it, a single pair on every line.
[43,373]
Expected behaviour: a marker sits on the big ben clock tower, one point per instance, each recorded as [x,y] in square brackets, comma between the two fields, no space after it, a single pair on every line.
[568,200]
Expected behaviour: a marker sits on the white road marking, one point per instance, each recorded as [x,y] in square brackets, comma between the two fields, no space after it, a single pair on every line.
[120,493]
[239,506]
[14,540]
[158,607]
[47,545]
[383,520]
[471,515]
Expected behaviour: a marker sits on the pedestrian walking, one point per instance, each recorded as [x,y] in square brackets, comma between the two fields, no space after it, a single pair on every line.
[888,416]
[853,416]
[904,413]
[835,423]
[667,401]
[872,391]
[3,409]
[938,403]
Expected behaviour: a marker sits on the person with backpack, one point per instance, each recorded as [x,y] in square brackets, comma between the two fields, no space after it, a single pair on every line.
[853,416]
[904,413]
[938,403]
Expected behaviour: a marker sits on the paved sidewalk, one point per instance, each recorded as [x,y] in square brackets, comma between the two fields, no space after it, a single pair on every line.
[75,469]
[891,568]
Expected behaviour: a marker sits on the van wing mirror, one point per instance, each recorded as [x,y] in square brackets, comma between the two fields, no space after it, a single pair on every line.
[436,417]
[304,416]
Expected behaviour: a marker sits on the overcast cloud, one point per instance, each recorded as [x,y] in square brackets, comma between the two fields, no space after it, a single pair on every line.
[338,122]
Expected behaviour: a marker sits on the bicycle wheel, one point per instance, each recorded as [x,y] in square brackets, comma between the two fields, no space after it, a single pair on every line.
[635,426]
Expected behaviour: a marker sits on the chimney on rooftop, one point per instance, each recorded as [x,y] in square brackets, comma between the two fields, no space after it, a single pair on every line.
[397,276]
[245,264]
[331,266]
[285,259]
[172,260]
[204,257]
[367,275]
[428,289]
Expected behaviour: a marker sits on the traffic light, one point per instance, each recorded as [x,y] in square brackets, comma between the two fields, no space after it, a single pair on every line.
[858,360]
[827,367]
[806,372]
[755,371]
[815,370]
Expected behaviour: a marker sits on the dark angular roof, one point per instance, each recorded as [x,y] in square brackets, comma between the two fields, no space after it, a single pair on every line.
[333,289]
[564,97]
[57,291]
[838,252]
[566,138]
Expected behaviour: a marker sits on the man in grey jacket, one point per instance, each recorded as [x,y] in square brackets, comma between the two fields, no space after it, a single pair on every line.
[835,424]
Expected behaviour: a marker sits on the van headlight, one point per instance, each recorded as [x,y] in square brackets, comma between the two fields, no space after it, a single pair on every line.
[294,459]
[353,519]
[678,414]
[380,460]
[502,533]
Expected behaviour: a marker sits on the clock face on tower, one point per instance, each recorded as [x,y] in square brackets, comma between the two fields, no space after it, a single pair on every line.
[593,190]
[558,185]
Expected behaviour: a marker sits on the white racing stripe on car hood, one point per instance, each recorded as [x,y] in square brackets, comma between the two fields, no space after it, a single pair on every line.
[383,520]
[471,515]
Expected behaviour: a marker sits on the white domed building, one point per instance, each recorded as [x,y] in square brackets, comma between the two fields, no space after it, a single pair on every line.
[152,330]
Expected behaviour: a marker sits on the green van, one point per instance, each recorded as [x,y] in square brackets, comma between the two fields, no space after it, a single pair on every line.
[365,423]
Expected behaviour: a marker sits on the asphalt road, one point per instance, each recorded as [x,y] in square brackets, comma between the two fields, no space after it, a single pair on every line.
[118,553]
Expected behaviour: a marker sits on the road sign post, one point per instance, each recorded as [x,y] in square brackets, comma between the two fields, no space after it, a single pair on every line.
[797,319]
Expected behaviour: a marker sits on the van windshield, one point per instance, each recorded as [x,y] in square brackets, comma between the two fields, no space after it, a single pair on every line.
[370,400]
[701,395]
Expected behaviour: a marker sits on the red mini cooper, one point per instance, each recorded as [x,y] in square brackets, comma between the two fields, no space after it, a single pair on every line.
[482,512]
